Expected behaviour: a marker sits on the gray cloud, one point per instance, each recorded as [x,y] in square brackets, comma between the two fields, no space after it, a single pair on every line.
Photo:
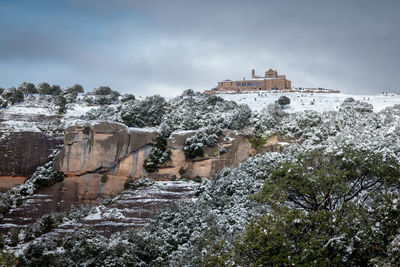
[148,47]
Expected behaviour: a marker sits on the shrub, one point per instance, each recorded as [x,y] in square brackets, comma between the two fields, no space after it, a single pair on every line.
[44,89]
[284,100]
[206,136]
[75,89]
[28,88]
[104,178]
[127,97]
[188,92]
[159,154]
[148,112]
[61,104]
[349,104]
[13,95]
[56,90]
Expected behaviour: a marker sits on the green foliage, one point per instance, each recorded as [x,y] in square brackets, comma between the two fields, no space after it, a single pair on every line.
[102,90]
[258,141]
[7,259]
[44,89]
[56,90]
[284,100]
[27,88]
[206,136]
[127,97]
[188,92]
[61,103]
[12,237]
[148,112]
[13,95]
[159,154]
[325,181]
[336,208]
[104,178]
[75,89]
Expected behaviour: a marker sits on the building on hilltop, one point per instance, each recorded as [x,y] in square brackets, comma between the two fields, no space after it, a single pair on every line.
[271,81]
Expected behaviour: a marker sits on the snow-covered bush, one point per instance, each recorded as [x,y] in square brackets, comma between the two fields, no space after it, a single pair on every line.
[148,112]
[13,95]
[284,100]
[201,111]
[159,154]
[349,105]
[206,136]
[103,113]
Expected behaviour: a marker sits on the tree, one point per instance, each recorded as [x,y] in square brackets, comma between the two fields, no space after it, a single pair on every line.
[44,89]
[13,95]
[333,208]
[326,181]
[148,112]
[102,90]
[75,89]
[56,89]
[188,92]
[284,100]
[27,88]
[61,103]
[127,97]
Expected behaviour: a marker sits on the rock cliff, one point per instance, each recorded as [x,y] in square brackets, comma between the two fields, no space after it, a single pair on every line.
[22,152]
[117,150]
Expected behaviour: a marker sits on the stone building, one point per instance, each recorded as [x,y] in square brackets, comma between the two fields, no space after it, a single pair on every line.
[271,81]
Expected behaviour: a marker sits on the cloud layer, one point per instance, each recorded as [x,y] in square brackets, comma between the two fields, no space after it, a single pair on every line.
[148,47]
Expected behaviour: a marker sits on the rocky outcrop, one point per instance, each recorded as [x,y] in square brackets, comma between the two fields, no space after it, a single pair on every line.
[101,147]
[116,150]
[22,152]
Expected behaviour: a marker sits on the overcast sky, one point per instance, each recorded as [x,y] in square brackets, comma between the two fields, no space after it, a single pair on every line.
[163,47]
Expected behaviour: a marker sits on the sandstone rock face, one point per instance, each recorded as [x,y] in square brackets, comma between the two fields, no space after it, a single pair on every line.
[22,152]
[119,151]
[100,148]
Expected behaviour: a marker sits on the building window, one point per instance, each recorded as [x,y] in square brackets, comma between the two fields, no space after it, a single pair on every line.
[248,83]
[243,84]
[260,84]
[237,84]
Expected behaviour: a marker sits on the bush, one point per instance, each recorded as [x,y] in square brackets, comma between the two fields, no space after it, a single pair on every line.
[206,136]
[188,92]
[284,100]
[127,97]
[104,178]
[349,104]
[61,104]
[56,90]
[148,112]
[44,89]
[102,90]
[28,88]
[159,154]
[75,89]
[13,95]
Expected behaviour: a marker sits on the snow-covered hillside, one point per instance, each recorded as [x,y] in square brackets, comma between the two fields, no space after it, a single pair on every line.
[306,101]
[37,115]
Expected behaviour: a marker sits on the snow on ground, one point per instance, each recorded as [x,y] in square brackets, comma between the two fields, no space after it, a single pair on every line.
[306,101]
[33,115]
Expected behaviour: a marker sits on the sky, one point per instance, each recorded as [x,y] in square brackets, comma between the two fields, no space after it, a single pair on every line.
[165,46]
